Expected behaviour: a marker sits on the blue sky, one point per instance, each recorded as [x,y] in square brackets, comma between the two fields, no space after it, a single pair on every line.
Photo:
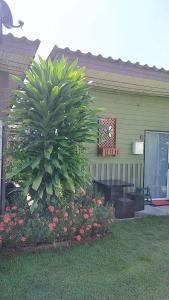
[135,30]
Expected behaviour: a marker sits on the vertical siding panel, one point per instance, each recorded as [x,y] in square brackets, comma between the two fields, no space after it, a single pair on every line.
[105,172]
[141,175]
[110,170]
[116,171]
[113,171]
[121,172]
[136,175]
[131,173]
[99,171]
[93,171]
[126,173]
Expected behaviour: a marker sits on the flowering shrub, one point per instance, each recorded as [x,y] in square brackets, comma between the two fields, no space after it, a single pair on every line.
[72,222]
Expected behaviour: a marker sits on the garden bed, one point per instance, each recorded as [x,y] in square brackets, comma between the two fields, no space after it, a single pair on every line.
[52,246]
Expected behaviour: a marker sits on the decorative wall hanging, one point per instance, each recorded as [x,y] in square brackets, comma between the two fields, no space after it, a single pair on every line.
[107,137]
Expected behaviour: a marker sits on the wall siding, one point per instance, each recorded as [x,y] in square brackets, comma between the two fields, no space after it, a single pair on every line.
[134,114]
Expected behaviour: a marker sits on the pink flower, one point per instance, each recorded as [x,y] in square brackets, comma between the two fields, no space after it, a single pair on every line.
[65,230]
[0,239]
[81,231]
[86,216]
[20,221]
[23,239]
[82,192]
[78,238]
[99,202]
[1,226]
[13,215]
[55,220]
[7,208]
[51,226]
[14,207]
[7,218]
[51,208]
[90,211]
[88,227]
[65,215]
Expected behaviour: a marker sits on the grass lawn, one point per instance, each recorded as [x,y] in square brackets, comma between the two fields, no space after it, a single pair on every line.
[132,264]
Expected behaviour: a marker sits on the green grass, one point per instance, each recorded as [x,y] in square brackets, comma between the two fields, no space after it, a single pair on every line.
[132,264]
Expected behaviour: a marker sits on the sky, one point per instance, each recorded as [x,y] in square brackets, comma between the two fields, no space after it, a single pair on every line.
[135,30]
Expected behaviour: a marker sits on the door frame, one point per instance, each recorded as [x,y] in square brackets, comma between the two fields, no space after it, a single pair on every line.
[156,131]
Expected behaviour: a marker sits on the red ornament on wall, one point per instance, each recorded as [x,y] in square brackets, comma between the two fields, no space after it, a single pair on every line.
[107,137]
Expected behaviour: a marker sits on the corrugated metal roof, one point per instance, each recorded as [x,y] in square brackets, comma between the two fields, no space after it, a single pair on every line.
[16,53]
[100,63]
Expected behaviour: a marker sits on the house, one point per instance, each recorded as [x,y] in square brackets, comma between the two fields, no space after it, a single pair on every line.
[136,111]
[16,55]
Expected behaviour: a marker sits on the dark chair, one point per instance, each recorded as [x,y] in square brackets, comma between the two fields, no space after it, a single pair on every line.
[138,199]
[124,208]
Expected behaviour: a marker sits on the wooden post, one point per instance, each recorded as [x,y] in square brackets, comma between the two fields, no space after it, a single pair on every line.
[2,167]
[1,29]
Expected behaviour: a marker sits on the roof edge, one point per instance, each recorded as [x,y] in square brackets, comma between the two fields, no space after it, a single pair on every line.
[118,62]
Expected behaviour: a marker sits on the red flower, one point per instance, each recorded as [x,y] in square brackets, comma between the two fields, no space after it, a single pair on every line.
[88,227]
[51,226]
[81,231]
[51,208]
[65,229]
[90,211]
[86,216]
[65,215]
[7,218]
[14,207]
[23,239]
[1,226]
[99,202]
[55,220]
[7,208]
[20,221]
[78,238]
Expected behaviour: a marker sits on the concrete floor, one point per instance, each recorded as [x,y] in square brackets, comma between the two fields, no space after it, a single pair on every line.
[153,211]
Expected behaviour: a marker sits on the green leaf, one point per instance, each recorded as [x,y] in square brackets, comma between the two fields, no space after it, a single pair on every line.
[48,168]
[35,163]
[36,182]
[48,151]
[34,206]
[49,189]
[17,170]
[69,185]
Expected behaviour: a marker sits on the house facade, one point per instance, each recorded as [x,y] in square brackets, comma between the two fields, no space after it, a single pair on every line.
[136,98]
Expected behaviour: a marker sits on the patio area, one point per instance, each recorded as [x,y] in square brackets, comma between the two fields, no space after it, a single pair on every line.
[150,210]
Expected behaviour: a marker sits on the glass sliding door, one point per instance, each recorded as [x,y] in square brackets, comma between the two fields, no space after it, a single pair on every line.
[156,173]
